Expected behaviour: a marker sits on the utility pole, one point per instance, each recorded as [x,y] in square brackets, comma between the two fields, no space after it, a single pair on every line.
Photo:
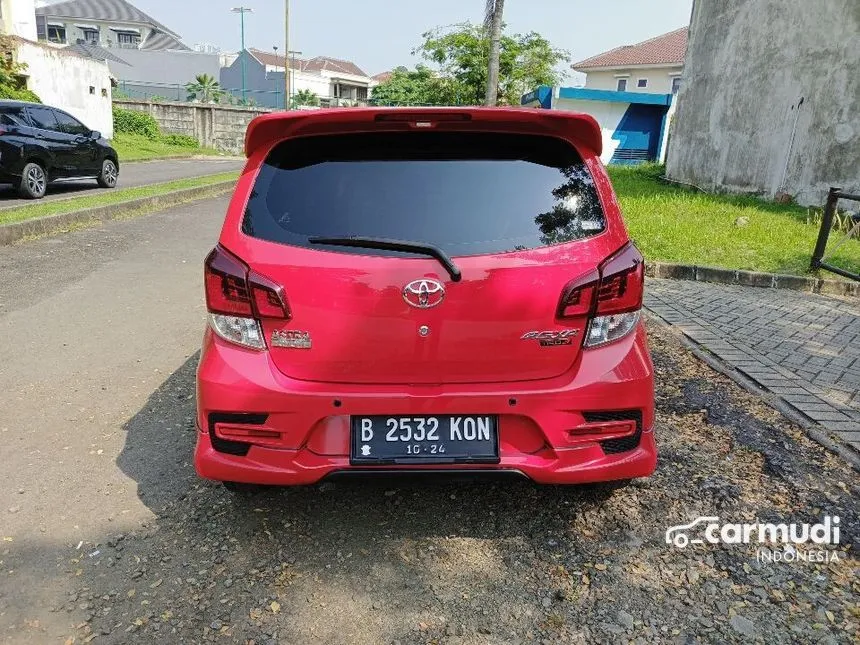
[242,11]
[287,54]
[292,57]
[493,23]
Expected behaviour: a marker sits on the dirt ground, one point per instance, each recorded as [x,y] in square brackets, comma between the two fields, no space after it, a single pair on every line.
[469,562]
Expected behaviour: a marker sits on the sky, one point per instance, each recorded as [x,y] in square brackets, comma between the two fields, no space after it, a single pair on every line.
[379,35]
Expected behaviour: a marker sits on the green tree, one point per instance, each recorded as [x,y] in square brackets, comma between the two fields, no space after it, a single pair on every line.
[204,88]
[421,86]
[304,97]
[461,55]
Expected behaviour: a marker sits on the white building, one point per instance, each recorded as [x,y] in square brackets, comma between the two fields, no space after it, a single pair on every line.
[18,17]
[334,81]
[60,78]
[106,23]
[653,66]
[80,86]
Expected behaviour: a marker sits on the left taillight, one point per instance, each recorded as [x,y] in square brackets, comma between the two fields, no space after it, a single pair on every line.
[611,297]
[237,298]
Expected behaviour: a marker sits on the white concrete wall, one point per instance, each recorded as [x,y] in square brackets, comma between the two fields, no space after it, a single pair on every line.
[608,115]
[18,18]
[65,81]
[743,81]
[659,79]
[313,82]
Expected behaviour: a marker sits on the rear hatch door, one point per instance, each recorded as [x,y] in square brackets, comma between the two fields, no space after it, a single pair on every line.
[517,215]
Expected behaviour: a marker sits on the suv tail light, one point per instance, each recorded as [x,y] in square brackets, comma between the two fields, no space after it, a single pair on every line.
[611,296]
[238,298]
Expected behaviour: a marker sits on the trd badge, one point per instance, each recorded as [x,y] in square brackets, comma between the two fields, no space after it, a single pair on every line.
[291,338]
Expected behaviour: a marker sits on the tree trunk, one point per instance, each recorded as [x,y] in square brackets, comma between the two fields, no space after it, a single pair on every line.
[494,23]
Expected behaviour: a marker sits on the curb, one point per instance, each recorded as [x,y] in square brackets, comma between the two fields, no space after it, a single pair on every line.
[751,278]
[813,429]
[10,233]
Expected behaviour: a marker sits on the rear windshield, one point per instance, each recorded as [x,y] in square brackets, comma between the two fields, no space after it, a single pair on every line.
[468,193]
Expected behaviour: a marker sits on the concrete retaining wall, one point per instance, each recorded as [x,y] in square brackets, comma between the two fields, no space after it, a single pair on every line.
[214,126]
[749,63]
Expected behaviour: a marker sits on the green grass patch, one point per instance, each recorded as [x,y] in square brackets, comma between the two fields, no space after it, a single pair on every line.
[107,197]
[673,223]
[138,147]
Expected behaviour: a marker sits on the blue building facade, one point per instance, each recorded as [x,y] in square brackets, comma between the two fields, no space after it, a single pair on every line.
[634,124]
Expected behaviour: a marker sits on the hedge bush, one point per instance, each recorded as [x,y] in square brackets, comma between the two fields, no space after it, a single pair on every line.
[134,122]
[7,92]
[182,140]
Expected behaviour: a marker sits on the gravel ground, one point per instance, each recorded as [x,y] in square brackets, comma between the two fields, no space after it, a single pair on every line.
[397,562]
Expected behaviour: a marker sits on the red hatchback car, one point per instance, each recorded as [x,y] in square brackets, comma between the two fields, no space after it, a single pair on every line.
[439,290]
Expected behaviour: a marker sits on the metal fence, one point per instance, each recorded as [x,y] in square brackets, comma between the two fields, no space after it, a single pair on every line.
[830,213]
[149,91]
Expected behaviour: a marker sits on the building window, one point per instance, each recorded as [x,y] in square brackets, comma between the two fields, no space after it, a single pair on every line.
[128,40]
[56,34]
[361,93]
[622,85]
[642,82]
[91,35]
[676,84]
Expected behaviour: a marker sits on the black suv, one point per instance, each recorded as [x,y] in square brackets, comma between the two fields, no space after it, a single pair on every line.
[39,144]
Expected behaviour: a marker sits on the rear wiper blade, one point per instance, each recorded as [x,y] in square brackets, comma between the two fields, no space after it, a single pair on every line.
[385,244]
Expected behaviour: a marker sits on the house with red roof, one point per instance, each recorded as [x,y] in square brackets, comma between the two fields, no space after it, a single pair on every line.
[652,66]
[630,90]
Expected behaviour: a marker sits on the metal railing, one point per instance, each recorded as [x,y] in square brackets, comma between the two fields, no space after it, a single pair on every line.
[833,197]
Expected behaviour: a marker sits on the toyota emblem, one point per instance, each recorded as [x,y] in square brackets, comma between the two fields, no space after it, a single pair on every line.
[424,293]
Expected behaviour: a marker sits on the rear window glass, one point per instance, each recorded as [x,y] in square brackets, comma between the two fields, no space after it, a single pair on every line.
[468,193]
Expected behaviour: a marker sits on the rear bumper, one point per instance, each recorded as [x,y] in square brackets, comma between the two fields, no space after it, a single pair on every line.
[538,421]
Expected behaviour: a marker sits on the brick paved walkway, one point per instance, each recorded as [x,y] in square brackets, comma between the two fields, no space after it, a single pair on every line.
[805,348]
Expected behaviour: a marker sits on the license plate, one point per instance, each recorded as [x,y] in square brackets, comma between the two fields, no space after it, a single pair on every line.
[455,438]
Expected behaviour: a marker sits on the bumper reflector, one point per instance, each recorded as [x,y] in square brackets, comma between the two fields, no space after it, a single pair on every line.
[258,436]
[604,430]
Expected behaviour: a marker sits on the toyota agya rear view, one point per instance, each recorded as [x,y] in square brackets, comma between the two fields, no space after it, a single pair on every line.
[441,290]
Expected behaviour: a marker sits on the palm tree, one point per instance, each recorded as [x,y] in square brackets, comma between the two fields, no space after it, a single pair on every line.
[304,97]
[493,24]
[204,88]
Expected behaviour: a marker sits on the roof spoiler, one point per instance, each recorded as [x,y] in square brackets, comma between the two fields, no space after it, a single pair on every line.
[268,129]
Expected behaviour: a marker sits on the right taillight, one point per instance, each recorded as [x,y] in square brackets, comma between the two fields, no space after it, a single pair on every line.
[622,279]
[619,297]
[238,298]
[611,297]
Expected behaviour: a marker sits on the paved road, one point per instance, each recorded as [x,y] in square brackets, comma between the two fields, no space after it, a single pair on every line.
[139,173]
[106,533]
[805,348]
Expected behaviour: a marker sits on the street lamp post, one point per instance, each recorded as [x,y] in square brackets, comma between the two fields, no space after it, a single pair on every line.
[242,11]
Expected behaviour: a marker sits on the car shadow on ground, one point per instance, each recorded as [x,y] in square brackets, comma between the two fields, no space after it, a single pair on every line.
[158,456]
[380,550]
